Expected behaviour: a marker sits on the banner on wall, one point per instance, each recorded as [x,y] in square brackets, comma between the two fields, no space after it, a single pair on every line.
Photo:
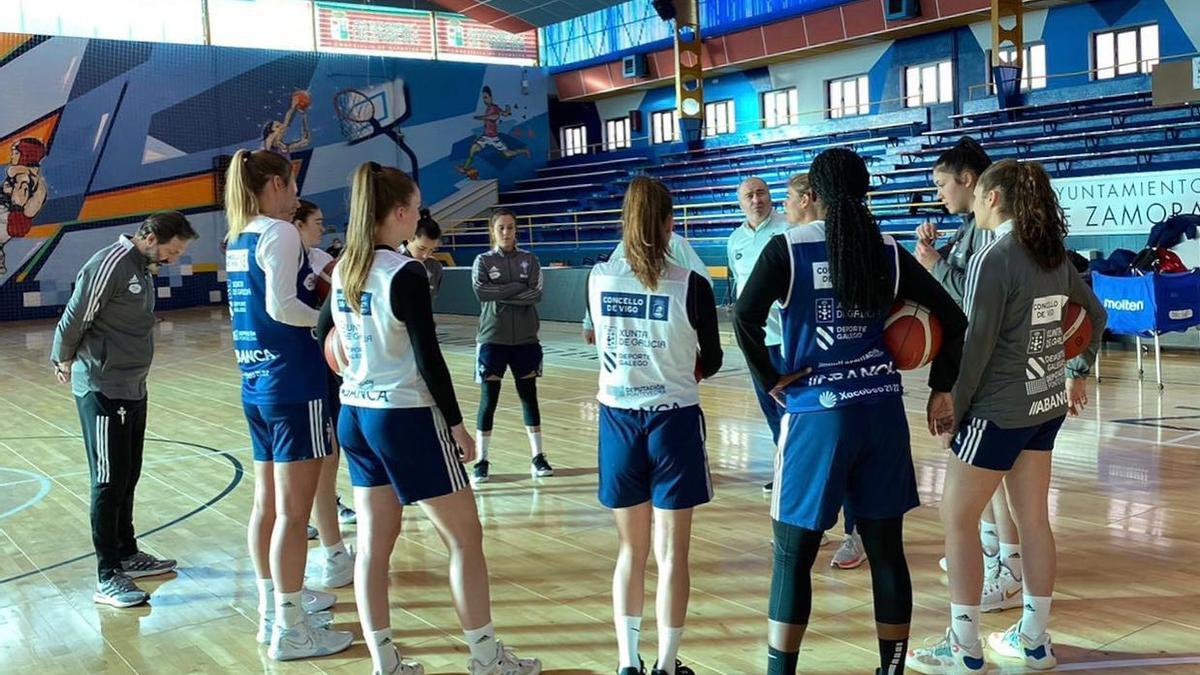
[375,31]
[460,38]
[1128,203]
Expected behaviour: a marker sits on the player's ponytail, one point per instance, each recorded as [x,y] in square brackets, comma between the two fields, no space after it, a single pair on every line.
[247,175]
[1027,197]
[966,155]
[858,264]
[644,216]
[374,191]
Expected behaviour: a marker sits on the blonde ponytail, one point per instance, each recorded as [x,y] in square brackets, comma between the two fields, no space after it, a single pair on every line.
[644,215]
[248,173]
[374,190]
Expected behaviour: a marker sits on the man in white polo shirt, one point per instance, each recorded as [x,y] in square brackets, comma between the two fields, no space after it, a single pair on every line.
[745,244]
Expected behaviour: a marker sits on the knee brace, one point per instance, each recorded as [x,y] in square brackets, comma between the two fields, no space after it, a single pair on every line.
[883,541]
[527,391]
[489,398]
[791,581]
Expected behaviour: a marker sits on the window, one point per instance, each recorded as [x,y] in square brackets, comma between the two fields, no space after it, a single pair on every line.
[1125,52]
[1033,75]
[718,118]
[573,140]
[616,134]
[849,97]
[158,21]
[929,84]
[664,127]
[780,107]
[238,23]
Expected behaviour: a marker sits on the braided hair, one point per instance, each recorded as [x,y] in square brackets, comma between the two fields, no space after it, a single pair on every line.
[858,264]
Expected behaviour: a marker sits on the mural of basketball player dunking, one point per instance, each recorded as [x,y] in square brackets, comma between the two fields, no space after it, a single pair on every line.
[22,192]
[490,138]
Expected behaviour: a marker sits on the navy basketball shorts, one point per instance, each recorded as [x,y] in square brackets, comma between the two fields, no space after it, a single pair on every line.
[410,449]
[494,360]
[653,456]
[289,432]
[859,454]
[984,444]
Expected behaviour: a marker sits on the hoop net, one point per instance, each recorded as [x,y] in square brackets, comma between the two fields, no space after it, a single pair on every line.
[355,112]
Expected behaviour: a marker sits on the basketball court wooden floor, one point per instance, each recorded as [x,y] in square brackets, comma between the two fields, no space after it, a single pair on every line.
[1126,503]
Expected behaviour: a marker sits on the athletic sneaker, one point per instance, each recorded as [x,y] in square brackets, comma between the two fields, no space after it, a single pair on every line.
[305,642]
[947,656]
[505,664]
[680,669]
[1012,643]
[850,554]
[266,624]
[541,468]
[1001,591]
[480,474]
[767,487]
[403,666]
[142,564]
[119,591]
[640,670]
[346,515]
[338,570]
[312,533]
[316,601]
[990,561]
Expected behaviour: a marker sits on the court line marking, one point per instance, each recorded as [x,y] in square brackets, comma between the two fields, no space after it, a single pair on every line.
[33,478]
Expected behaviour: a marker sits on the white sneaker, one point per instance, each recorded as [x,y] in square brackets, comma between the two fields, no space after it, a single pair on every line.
[945,655]
[403,666]
[1001,591]
[850,554]
[306,642]
[266,624]
[316,601]
[505,664]
[1038,654]
[338,570]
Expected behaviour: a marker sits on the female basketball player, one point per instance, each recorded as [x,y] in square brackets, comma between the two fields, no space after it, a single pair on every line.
[272,303]
[337,569]
[397,381]
[651,317]
[1010,401]
[273,132]
[844,435]
[508,283]
[956,174]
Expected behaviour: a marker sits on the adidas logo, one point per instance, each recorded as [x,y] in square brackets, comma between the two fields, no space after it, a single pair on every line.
[963,617]
[1029,607]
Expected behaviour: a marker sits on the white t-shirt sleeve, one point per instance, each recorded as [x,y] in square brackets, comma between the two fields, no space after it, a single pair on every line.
[279,254]
[317,260]
[686,256]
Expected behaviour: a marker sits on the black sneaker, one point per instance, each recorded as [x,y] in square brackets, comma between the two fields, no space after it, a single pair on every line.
[640,670]
[541,468]
[680,669]
[480,474]
[119,591]
[767,487]
[346,515]
[142,564]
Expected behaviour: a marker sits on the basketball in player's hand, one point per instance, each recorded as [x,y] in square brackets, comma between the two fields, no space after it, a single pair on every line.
[301,99]
[1077,330]
[325,282]
[335,356]
[912,335]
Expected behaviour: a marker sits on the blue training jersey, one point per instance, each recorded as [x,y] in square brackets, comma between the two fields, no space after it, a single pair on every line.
[844,348]
[280,362]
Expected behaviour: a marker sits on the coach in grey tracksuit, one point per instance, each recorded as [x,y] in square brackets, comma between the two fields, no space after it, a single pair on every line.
[103,346]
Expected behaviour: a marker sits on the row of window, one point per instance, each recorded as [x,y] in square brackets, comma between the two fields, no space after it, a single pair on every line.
[1121,52]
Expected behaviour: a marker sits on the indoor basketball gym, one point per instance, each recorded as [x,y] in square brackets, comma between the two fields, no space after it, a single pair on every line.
[117,110]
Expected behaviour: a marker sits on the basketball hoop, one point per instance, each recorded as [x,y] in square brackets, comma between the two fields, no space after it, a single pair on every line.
[356,114]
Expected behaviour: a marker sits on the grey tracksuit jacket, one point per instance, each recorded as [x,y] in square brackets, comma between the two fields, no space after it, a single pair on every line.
[509,286]
[951,270]
[107,328]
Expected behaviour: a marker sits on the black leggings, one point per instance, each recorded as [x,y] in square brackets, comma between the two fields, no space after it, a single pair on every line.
[489,398]
[796,550]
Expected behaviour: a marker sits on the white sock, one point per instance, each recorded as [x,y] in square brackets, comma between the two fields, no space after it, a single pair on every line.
[988,534]
[629,629]
[481,444]
[288,609]
[1036,616]
[330,551]
[535,442]
[383,654]
[266,597]
[1010,555]
[668,647]
[482,642]
[964,621]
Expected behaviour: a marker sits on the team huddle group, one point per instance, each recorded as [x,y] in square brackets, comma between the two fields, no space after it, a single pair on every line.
[814,288]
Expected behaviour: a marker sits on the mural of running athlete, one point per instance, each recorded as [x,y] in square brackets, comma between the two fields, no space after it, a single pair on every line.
[22,192]
[274,131]
[491,133]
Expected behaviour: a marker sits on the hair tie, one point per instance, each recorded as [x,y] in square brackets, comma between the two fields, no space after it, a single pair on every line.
[375,168]
[246,157]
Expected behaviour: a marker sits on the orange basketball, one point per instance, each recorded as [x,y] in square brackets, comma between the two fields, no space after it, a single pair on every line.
[301,99]
[335,356]
[325,282]
[1077,330]
[912,335]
